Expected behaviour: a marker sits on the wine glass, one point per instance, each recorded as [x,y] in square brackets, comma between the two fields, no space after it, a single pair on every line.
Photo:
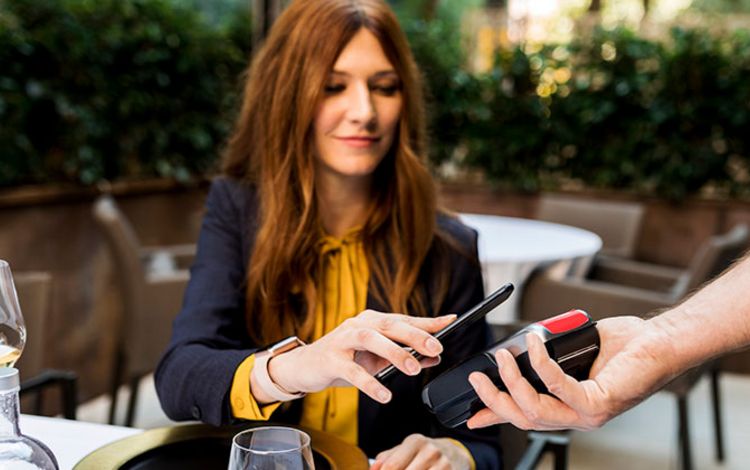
[12,328]
[271,448]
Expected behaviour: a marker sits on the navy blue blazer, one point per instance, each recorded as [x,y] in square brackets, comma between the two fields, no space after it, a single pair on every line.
[210,340]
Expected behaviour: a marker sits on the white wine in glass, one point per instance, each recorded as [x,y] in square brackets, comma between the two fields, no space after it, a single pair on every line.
[12,328]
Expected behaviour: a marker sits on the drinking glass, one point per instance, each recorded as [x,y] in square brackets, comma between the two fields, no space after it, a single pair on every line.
[12,328]
[271,448]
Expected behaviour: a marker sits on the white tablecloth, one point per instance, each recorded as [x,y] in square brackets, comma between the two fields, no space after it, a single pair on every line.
[510,248]
[71,441]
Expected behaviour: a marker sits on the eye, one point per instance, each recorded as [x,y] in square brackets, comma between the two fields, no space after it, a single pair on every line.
[386,88]
[332,89]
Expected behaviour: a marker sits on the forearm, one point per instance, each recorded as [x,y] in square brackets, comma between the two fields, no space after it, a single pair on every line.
[714,321]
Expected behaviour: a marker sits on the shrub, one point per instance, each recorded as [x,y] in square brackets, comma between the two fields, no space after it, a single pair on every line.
[111,88]
[612,111]
[107,89]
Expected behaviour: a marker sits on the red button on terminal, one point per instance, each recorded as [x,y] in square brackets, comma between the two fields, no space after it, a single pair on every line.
[565,321]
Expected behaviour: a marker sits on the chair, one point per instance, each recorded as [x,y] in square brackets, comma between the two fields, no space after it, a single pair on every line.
[631,288]
[617,223]
[602,297]
[151,290]
[34,291]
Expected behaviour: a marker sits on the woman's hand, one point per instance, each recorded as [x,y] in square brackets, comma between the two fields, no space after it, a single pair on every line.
[626,370]
[358,348]
[419,452]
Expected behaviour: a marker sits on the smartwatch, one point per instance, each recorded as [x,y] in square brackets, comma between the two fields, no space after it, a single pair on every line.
[260,369]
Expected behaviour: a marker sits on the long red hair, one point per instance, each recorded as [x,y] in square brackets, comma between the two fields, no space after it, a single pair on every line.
[271,150]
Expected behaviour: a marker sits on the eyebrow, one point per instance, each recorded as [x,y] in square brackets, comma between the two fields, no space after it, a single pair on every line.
[382,73]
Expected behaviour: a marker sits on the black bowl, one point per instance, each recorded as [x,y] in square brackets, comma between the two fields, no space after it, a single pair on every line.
[199,446]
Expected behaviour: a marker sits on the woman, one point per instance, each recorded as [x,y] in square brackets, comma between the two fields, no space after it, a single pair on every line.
[324,221]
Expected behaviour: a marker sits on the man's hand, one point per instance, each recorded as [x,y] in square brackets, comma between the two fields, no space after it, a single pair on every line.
[624,373]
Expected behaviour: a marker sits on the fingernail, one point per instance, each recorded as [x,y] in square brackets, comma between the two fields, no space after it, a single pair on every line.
[434,345]
[412,366]
[473,379]
[384,396]
[498,358]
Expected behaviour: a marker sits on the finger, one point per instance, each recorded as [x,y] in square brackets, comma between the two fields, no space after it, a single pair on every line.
[499,402]
[539,411]
[404,453]
[358,377]
[483,418]
[561,385]
[400,329]
[410,331]
[367,339]
[428,362]
[429,324]
[427,456]
[383,455]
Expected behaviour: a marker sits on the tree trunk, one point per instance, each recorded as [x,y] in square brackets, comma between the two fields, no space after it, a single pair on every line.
[596,6]
[429,9]
[265,13]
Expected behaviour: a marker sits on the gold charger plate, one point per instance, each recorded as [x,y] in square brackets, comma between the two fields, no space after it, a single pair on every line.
[203,446]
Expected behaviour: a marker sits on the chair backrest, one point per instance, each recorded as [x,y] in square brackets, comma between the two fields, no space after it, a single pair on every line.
[125,249]
[34,290]
[617,223]
[714,256]
[150,299]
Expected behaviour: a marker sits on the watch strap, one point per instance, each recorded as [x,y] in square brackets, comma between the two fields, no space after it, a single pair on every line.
[263,378]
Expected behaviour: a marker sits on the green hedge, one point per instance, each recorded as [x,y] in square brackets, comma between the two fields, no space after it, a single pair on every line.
[610,111]
[104,89]
[107,89]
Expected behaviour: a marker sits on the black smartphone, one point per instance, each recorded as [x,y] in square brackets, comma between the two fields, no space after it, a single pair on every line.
[477,312]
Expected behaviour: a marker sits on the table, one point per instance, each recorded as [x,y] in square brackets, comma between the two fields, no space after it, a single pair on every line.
[69,440]
[510,248]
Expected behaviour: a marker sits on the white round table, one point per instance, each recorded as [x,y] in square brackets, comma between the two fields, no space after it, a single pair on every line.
[510,248]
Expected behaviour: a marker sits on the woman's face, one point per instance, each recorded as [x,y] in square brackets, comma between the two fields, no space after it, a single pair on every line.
[357,118]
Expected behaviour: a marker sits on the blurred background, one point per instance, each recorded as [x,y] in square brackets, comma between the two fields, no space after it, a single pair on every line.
[636,101]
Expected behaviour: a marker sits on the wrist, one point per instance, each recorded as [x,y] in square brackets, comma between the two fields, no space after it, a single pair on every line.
[281,370]
[267,386]
[658,342]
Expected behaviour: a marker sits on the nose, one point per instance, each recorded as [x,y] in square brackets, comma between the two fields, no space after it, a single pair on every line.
[361,107]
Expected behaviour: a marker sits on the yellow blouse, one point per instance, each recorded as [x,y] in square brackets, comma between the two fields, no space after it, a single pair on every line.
[343,295]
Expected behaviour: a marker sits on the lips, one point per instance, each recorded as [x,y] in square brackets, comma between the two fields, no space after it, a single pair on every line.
[358,141]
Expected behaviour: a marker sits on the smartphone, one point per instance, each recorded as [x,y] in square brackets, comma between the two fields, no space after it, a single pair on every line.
[477,312]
